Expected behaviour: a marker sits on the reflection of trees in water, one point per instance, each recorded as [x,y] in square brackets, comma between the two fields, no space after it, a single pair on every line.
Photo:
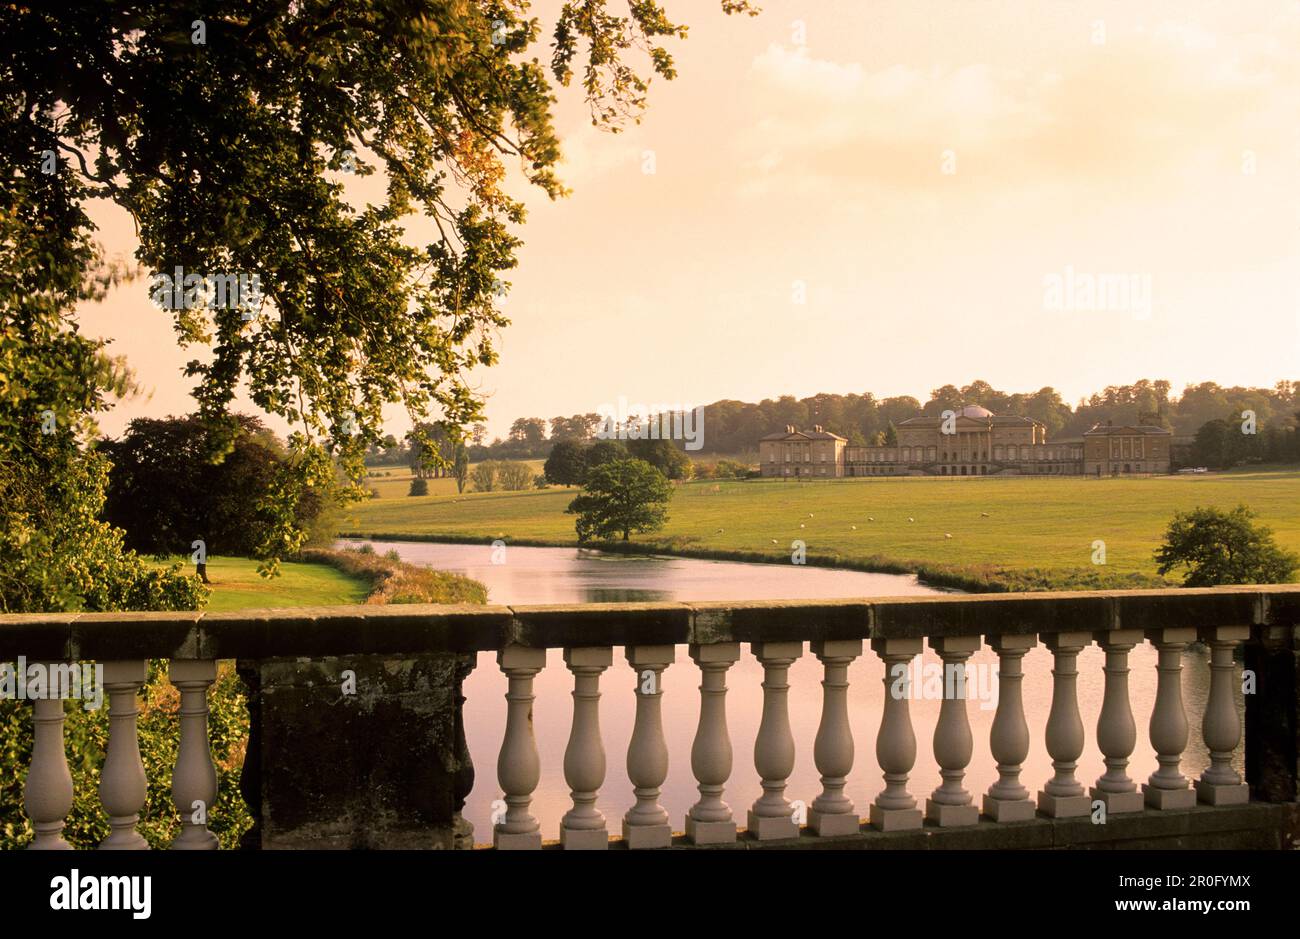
[623,595]
[1196,691]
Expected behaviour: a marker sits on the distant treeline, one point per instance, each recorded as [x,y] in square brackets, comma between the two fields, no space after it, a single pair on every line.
[732,427]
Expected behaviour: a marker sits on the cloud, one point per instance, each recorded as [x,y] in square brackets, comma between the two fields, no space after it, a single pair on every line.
[1140,108]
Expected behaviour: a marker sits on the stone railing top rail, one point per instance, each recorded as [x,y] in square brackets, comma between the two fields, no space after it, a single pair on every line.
[414,628]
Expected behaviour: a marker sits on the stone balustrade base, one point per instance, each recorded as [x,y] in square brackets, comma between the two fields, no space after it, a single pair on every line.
[638,837]
[1168,799]
[951,816]
[1008,810]
[834,825]
[517,841]
[772,829]
[883,819]
[1257,826]
[1219,794]
[1118,803]
[588,839]
[710,832]
[1063,806]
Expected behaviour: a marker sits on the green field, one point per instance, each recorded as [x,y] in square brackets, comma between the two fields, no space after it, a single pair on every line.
[394,482]
[1042,524]
[237,586]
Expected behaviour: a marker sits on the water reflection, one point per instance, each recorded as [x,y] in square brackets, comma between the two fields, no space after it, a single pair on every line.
[574,575]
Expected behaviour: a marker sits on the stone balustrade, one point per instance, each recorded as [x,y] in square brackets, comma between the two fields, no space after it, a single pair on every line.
[409,771]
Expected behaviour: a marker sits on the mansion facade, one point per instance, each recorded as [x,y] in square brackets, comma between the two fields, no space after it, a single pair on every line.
[971,441]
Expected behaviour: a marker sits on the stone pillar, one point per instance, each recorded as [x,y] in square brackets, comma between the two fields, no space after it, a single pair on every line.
[950,805]
[646,823]
[832,812]
[710,821]
[47,794]
[518,766]
[1273,714]
[583,826]
[1116,731]
[1063,795]
[1007,800]
[895,808]
[194,779]
[770,816]
[1220,784]
[461,766]
[377,762]
[122,783]
[1168,787]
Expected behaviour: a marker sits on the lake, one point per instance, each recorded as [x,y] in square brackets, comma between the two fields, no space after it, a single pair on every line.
[570,575]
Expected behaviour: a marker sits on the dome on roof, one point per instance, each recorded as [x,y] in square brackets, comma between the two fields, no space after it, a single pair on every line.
[974,410]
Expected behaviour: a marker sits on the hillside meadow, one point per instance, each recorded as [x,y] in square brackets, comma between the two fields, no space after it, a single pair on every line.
[1006,533]
[394,481]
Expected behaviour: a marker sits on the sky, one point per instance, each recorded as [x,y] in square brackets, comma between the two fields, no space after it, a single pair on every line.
[885,196]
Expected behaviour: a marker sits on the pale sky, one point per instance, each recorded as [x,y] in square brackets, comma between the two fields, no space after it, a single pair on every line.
[915,172]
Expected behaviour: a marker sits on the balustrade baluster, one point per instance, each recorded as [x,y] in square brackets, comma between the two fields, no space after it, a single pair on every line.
[646,823]
[832,812]
[122,783]
[1168,788]
[1220,784]
[194,780]
[1116,732]
[770,816]
[709,820]
[1063,796]
[583,826]
[1007,800]
[950,805]
[463,780]
[518,766]
[894,808]
[47,795]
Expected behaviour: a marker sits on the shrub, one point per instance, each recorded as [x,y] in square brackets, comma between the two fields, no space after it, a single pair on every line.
[419,487]
[514,476]
[392,580]
[177,479]
[484,476]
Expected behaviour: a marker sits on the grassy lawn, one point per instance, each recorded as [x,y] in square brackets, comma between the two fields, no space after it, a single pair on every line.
[237,586]
[1040,523]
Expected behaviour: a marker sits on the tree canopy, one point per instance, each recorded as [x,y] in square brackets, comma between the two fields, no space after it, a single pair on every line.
[164,493]
[226,132]
[1215,547]
[621,497]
